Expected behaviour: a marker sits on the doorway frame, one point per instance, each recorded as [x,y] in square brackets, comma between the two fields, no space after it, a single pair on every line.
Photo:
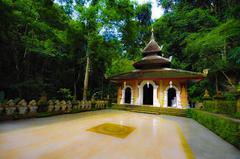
[146,96]
[178,99]
[140,89]
[123,94]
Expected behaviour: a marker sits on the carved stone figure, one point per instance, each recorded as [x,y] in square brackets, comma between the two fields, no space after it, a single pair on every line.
[63,105]
[50,106]
[69,106]
[57,105]
[10,107]
[22,107]
[32,105]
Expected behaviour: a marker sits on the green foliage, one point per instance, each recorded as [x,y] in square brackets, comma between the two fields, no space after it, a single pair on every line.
[220,106]
[234,55]
[120,65]
[196,90]
[44,49]
[65,94]
[237,115]
[174,27]
[226,128]
[229,96]
[44,44]
[200,35]
[207,47]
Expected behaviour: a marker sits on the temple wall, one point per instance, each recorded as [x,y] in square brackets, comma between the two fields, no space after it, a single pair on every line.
[184,96]
[135,91]
[163,86]
[119,95]
[160,92]
[133,85]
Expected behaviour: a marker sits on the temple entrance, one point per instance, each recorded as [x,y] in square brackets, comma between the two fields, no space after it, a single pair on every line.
[127,95]
[148,94]
[172,100]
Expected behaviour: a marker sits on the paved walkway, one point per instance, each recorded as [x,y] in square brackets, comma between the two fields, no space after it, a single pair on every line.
[153,136]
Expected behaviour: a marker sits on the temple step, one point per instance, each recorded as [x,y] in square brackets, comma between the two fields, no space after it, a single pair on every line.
[151,110]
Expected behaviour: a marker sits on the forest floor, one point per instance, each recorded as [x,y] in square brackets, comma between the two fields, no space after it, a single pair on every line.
[111,134]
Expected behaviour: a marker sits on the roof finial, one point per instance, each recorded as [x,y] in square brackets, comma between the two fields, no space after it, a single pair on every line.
[152,36]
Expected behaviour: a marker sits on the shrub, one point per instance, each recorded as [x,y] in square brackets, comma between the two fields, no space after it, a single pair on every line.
[237,115]
[65,94]
[227,128]
[209,106]
[229,96]
[42,103]
[220,106]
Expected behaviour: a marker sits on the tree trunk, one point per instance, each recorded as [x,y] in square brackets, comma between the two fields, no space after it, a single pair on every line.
[85,87]
[102,89]
[75,90]
[76,78]
[216,82]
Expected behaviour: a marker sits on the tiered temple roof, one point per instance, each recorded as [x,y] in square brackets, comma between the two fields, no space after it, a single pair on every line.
[153,66]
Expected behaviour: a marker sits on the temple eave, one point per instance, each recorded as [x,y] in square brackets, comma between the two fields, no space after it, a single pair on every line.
[195,79]
[160,74]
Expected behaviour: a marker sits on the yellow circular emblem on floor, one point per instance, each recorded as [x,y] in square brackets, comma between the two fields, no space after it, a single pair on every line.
[116,130]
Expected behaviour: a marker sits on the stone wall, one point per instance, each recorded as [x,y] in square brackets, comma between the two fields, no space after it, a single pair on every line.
[12,109]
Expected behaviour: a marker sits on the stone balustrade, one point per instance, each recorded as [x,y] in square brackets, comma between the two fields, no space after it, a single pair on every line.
[24,108]
[100,104]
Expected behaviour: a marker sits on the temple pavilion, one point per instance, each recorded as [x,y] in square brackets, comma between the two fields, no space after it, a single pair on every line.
[153,82]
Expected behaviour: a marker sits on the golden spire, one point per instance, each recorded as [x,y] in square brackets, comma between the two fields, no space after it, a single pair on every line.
[152,36]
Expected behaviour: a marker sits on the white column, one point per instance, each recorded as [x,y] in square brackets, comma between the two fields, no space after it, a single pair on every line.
[165,102]
[123,96]
[155,99]
[178,99]
[131,97]
[140,98]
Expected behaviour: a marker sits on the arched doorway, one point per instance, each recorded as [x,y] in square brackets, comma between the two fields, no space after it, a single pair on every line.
[128,95]
[148,94]
[172,99]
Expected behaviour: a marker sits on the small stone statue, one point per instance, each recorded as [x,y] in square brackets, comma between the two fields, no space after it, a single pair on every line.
[10,107]
[10,103]
[205,72]
[32,105]
[63,105]
[69,106]
[22,107]
[50,106]
[57,105]
[206,94]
